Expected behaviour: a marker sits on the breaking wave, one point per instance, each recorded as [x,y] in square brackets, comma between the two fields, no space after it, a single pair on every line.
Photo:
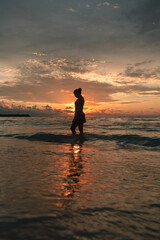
[119,138]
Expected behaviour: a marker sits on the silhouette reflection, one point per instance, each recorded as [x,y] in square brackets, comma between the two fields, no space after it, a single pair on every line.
[74,171]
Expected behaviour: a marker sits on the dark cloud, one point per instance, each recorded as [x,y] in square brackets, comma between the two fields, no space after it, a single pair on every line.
[143,63]
[77,65]
[6,108]
[130,102]
[150,93]
[143,90]
[9,82]
[143,73]
[147,12]
[33,26]
[146,18]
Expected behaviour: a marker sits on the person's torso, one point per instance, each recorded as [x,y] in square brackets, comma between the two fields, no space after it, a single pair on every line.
[79,103]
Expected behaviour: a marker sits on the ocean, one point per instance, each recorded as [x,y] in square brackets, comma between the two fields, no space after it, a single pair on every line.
[102,185]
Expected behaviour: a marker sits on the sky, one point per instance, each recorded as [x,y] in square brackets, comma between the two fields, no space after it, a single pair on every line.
[111,49]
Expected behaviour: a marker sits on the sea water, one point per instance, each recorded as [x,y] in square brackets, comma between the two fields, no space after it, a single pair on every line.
[103,185]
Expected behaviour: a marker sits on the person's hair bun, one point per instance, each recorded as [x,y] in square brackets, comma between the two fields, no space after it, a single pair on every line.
[78,90]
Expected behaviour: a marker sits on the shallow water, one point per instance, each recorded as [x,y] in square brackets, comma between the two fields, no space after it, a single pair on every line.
[104,185]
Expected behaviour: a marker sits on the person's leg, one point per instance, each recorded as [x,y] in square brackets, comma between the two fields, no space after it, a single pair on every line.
[80,127]
[73,127]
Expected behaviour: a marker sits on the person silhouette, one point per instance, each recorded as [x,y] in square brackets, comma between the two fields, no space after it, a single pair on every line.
[79,116]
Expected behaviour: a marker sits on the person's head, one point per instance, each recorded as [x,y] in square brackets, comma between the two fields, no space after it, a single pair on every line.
[77,92]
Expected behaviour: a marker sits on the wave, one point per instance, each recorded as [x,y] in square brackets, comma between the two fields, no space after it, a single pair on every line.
[57,138]
[130,139]
[119,138]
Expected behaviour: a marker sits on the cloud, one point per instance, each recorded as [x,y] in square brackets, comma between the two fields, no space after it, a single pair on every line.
[51,81]
[87,6]
[65,43]
[39,54]
[116,6]
[51,92]
[142,89]
[9,83]
[44,27]
[130,102]
[133,71]
[147,12]
[7,108]
[7,74]
[143,63]
[150,93]
[103,4]
[80,65]
[68,108]
[71,10]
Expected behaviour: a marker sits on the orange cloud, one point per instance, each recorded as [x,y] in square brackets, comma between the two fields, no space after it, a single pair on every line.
[9,82]
[58,77]
[38,78]
[64,91]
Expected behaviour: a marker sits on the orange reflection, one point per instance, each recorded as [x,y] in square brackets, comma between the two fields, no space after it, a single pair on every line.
[74,171]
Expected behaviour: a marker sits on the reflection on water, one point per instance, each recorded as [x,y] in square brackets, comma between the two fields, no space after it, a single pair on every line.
[78,191]
[74,171]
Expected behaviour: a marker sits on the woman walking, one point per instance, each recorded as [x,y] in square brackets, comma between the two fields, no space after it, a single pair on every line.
[79,117]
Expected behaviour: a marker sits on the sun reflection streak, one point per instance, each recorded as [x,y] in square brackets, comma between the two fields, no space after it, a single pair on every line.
[76,149]
[74,171]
